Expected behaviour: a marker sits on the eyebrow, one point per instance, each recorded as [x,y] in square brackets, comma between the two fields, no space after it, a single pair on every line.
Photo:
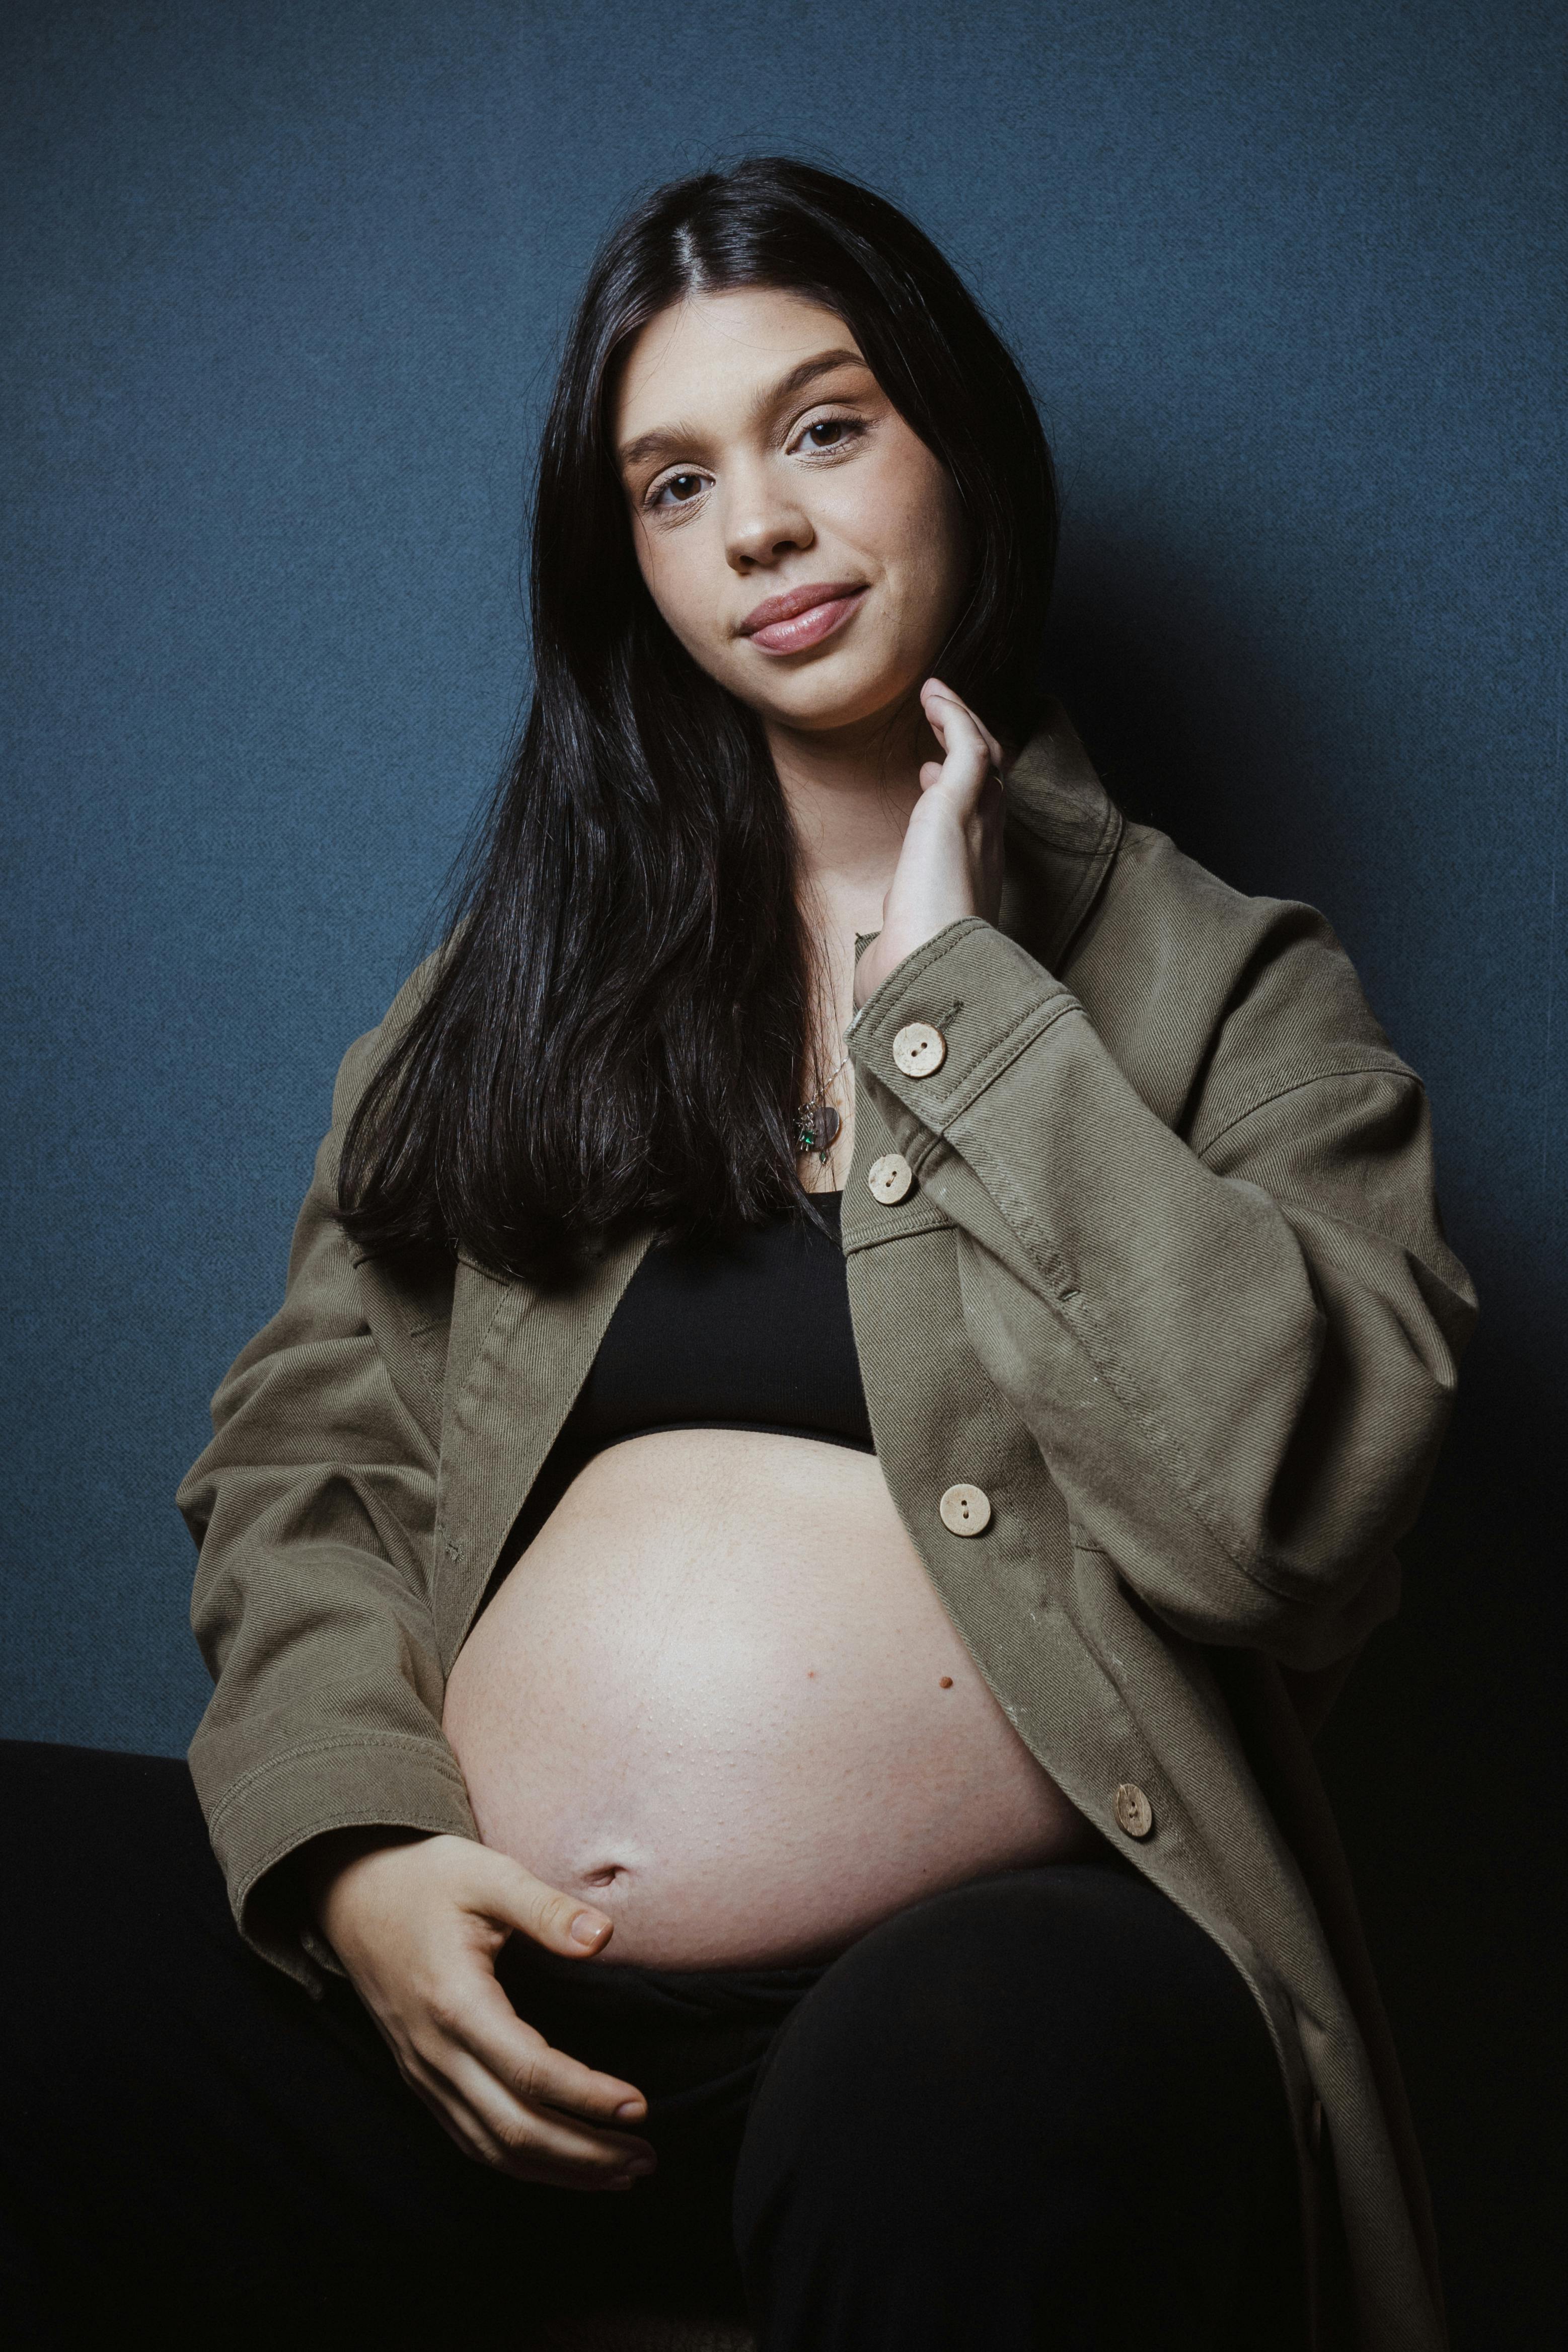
[667,439]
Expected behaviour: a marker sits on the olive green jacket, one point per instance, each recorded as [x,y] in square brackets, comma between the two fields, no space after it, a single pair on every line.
[1169,1284]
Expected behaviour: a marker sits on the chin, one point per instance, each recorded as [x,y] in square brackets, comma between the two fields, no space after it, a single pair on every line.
[820,704]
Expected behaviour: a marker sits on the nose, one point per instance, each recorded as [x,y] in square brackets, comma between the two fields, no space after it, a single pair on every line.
[764,520]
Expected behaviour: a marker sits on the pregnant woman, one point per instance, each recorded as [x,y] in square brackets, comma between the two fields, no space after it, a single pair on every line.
[858,1347]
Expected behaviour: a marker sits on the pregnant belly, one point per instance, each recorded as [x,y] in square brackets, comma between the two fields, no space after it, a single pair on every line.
[719,1696]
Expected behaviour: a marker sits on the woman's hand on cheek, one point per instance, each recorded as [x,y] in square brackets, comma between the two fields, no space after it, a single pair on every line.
[951,862]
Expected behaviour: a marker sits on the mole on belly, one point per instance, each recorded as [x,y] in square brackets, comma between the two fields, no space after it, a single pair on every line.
[945,1682]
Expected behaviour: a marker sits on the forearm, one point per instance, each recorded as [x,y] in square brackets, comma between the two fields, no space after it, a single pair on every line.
[313,1506]
[1235,1374]
[326,1710]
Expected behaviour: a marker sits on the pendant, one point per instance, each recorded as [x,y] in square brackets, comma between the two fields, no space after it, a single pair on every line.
[816,1126]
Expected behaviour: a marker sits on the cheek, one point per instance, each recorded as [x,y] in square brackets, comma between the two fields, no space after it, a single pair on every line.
[906,514]
[905,500]
[680,573]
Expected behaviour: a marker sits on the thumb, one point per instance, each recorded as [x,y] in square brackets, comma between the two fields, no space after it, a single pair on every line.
[513,1898]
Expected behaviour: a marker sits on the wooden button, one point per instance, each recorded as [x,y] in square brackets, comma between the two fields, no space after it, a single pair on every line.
[919,1049]
[965,1510]
[1133,1809]
[889,1178]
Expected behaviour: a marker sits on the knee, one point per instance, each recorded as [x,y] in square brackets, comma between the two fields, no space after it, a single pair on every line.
[1009,1972]
[983,2087]
[976,2038]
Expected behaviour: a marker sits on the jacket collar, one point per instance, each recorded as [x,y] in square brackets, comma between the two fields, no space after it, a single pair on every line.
[1061,835]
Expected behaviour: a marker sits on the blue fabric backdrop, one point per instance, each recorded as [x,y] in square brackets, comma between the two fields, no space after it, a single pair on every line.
[286,288]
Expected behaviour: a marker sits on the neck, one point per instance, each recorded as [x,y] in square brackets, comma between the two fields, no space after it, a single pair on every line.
[849,791]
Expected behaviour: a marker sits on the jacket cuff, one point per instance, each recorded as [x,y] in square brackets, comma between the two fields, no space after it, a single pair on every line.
[987,996]
[393,1782]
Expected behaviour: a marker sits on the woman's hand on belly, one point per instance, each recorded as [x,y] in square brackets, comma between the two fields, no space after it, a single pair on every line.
[417,1923]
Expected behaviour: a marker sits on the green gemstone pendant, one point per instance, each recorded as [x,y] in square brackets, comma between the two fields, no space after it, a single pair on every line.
[805,1124]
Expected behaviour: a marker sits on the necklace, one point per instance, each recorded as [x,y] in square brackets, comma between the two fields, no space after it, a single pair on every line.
[817,1123]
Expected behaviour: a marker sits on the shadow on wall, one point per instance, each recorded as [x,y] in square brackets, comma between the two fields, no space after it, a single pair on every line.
[1431,1754]
[1171,721]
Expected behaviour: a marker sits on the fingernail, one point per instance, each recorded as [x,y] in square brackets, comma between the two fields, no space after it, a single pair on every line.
[627,2109]
[587,1927]
[641,2164]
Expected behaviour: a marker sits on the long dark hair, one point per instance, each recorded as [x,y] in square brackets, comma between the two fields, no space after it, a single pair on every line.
[612,1033]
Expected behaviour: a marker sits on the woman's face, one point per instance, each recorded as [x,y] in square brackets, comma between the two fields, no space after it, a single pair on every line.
[802,543]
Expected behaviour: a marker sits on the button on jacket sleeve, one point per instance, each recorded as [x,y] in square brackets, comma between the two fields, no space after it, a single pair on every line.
[1232,1328]
[314,1509]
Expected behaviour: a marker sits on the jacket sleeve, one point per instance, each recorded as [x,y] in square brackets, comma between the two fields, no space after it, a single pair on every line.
[1234,1336]
[314,1510]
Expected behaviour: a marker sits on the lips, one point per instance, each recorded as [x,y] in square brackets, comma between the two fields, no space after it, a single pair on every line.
[804,616]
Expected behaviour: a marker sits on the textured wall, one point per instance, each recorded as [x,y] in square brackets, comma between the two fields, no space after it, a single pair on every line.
[287,283]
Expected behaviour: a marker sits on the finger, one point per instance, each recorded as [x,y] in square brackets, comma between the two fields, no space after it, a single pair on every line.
[967,765]
[935,699]
[533,2070]
[988,749]
[939,696]
[439,2057]
[481,2022]
[511,2133]
[527,2147]
[503,1890]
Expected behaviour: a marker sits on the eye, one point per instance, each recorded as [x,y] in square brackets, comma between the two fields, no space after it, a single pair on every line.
[842,430]
[683,489]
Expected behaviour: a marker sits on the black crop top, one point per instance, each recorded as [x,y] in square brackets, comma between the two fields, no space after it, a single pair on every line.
[751,1332]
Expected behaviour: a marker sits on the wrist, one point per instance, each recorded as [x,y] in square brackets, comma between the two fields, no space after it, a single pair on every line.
[322,1864]
[891,950]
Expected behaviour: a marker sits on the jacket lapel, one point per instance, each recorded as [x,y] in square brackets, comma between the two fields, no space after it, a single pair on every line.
[519,1355]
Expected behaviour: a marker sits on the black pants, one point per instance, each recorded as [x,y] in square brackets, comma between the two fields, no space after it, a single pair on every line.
[1037,2110]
